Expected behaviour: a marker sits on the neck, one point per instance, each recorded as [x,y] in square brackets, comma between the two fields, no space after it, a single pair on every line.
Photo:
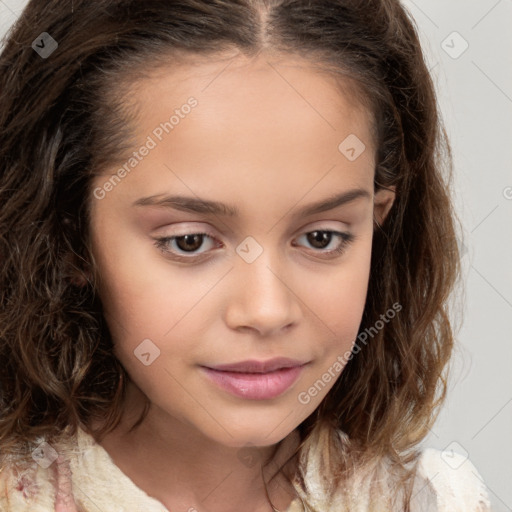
[179,466]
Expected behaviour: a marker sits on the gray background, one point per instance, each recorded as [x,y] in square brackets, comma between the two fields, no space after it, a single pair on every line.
[475,93]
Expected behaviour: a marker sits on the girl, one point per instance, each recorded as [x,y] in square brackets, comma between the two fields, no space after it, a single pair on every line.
[227,246]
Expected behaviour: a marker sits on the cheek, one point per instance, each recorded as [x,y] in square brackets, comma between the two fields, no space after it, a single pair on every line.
[146,298]
[340,305]
[338,299]
[142,294]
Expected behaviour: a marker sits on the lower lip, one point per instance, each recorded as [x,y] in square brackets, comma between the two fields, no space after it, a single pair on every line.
[255,386]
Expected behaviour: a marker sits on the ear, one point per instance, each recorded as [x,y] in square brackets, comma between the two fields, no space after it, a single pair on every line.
[382,203]
[74,272]
[79,279]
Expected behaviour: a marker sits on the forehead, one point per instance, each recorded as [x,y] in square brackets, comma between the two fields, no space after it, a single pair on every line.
[252,94]
[261,127]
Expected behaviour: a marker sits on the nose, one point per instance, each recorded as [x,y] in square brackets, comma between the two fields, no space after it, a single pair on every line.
[263,298]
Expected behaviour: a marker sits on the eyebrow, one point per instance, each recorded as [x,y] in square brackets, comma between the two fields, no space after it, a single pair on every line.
[198,205]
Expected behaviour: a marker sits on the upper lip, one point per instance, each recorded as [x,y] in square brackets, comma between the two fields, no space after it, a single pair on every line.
[255,366]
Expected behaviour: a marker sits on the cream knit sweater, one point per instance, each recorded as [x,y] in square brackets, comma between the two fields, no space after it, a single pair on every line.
[84,474]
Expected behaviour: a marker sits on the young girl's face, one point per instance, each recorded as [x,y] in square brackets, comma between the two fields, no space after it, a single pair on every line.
[261,137]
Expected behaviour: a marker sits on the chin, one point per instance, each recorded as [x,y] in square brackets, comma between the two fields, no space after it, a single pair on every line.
[253,436]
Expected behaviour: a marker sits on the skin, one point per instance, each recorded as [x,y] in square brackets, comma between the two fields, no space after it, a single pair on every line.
[264,137]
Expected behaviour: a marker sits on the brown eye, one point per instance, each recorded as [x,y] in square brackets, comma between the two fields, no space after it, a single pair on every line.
[189,242]
[319,239]
[322,238]
[185,247]
[176,246]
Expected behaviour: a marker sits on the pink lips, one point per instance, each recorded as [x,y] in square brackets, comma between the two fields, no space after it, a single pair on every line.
[256,380]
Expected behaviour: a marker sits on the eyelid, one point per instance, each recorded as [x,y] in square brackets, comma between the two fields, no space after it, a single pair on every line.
[192,228]
[346,238]
[161,241]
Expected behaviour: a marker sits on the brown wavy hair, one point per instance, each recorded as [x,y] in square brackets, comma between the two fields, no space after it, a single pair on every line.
[62,121]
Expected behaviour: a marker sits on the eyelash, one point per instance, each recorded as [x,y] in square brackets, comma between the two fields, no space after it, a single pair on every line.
[162,244]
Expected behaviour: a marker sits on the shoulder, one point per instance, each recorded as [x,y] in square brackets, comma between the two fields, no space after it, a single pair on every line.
[26,488]
[71,475]
[39,482]
[448,481]
[444,481]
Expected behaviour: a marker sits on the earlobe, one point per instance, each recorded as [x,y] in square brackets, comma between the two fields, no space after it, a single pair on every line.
[382,203]
[74,273]
[79,280]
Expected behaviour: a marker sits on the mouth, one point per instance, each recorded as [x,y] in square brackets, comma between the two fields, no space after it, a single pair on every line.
[256,380]
[255,366]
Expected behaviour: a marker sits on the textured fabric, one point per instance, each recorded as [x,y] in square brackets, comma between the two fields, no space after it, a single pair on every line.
[85,479]
[445,482]
[442,484]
